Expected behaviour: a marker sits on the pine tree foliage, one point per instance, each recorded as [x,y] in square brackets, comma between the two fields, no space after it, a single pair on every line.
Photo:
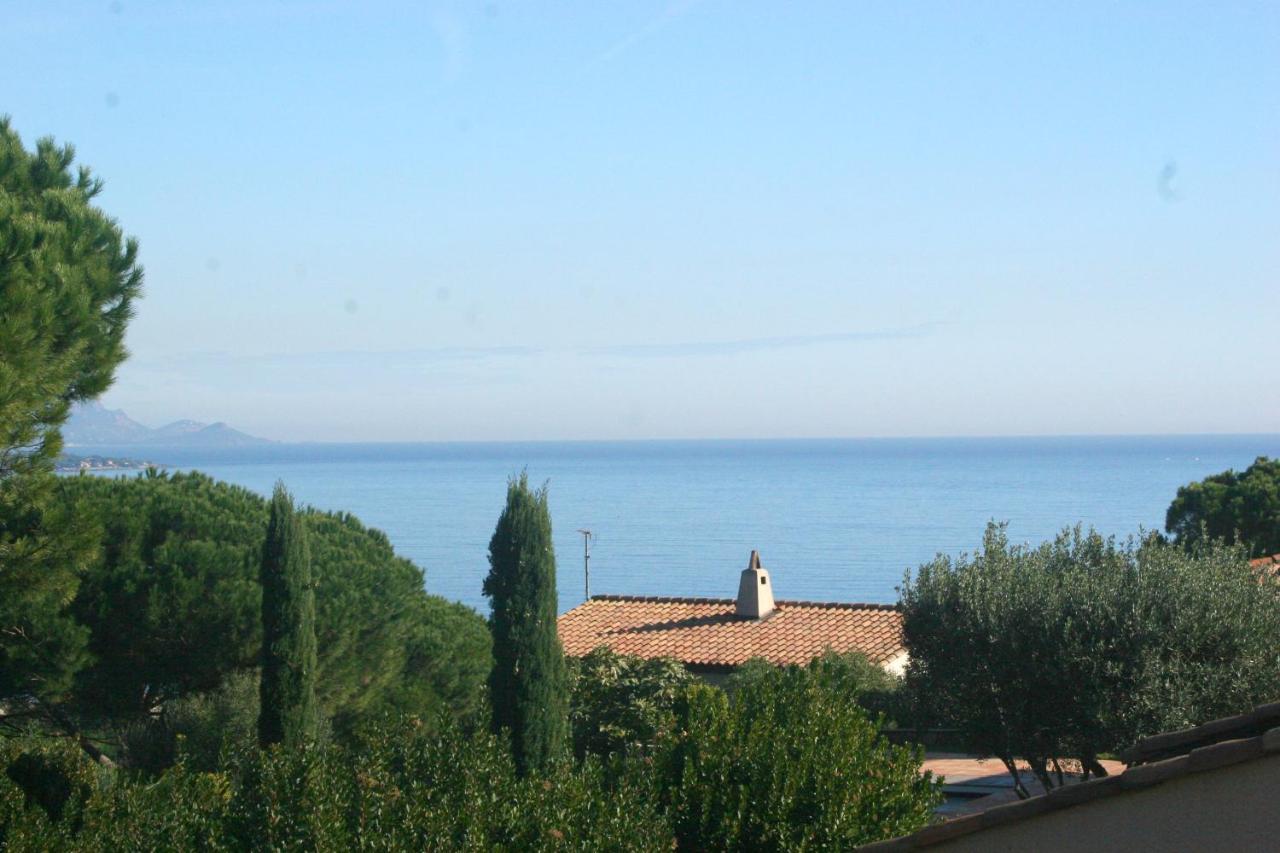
[172,604]
[287,712]
[68,278]
[1234,506]
[528,686]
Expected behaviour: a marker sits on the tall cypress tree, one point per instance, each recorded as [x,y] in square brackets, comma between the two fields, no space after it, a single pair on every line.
[528,685]
[288,692]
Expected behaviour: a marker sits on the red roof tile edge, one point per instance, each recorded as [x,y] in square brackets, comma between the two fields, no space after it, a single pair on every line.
[1165,744]
[729,602]
[1267,566]
[1199,760]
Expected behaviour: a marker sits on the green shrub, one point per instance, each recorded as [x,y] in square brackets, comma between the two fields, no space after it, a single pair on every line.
[622,704]
[202,729]
[786,762]
[400,787]
[849,674]
[51,776]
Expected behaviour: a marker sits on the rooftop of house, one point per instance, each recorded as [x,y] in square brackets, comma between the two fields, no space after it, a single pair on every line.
[1152,761]
[1267,566]
[715,633]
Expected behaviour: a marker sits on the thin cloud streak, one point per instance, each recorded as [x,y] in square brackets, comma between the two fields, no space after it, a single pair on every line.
[339,358]
[711,348]
[412,357]
[672,13]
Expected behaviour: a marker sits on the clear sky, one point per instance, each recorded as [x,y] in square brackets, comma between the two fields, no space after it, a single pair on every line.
[396,221]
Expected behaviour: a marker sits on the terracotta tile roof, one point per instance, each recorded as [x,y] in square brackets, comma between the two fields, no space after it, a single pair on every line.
[1267,567]
[707,632]
[1217,744]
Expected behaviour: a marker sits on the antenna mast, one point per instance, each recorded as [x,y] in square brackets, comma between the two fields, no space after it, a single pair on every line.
[586,563]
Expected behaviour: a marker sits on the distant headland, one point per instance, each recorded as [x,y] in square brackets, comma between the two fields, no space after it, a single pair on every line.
[93,425]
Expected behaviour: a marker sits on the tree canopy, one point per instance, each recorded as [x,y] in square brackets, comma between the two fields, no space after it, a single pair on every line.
[1236,507]
[68,279]
[1081,646]
[172,606]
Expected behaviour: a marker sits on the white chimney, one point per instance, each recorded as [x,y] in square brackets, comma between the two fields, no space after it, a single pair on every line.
[755,593]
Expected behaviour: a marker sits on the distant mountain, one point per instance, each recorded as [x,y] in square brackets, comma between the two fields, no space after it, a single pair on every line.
[91,424]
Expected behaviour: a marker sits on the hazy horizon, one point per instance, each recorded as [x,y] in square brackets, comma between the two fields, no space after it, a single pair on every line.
[679,439]
[439,222]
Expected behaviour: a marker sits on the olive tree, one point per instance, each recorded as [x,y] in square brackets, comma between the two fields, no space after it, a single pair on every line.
[1082,645]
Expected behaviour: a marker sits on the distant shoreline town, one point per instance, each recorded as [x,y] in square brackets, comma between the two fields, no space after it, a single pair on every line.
[70,464]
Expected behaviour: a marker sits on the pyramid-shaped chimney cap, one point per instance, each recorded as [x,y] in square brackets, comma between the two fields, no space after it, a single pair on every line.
[755,590]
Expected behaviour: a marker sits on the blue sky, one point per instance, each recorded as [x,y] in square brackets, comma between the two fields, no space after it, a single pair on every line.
[398,221]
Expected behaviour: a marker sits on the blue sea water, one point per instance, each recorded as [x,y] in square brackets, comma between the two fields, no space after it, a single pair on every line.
[834,520]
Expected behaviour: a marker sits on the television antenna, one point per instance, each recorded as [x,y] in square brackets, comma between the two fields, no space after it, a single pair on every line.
[586,562]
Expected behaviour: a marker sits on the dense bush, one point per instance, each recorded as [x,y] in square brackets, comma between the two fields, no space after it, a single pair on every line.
[785,763]
[1081,646]
[400,788]
[848,674]
[1233,506]
[202,729]
[621,704]
[172,606]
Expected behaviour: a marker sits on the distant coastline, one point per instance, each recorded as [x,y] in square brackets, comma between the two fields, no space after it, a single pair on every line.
[70,464]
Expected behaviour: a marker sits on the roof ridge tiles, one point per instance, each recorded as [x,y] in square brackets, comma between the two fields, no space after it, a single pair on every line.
[660,599]
[679,599]
[1251,722]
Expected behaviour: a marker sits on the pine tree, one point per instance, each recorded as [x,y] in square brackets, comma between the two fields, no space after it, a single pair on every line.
[288,713]
[528,685]
[68,279]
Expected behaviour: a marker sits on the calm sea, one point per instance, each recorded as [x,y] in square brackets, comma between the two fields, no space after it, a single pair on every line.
[835,520]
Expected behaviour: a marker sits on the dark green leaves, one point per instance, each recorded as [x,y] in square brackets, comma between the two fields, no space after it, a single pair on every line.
[528,686]
[1080,646]
[623,704]
[1235,507]
[68,279]
[172,606]
[786,762]
[287,700]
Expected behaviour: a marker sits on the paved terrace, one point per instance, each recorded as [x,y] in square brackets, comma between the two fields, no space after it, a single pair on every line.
[974,784]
